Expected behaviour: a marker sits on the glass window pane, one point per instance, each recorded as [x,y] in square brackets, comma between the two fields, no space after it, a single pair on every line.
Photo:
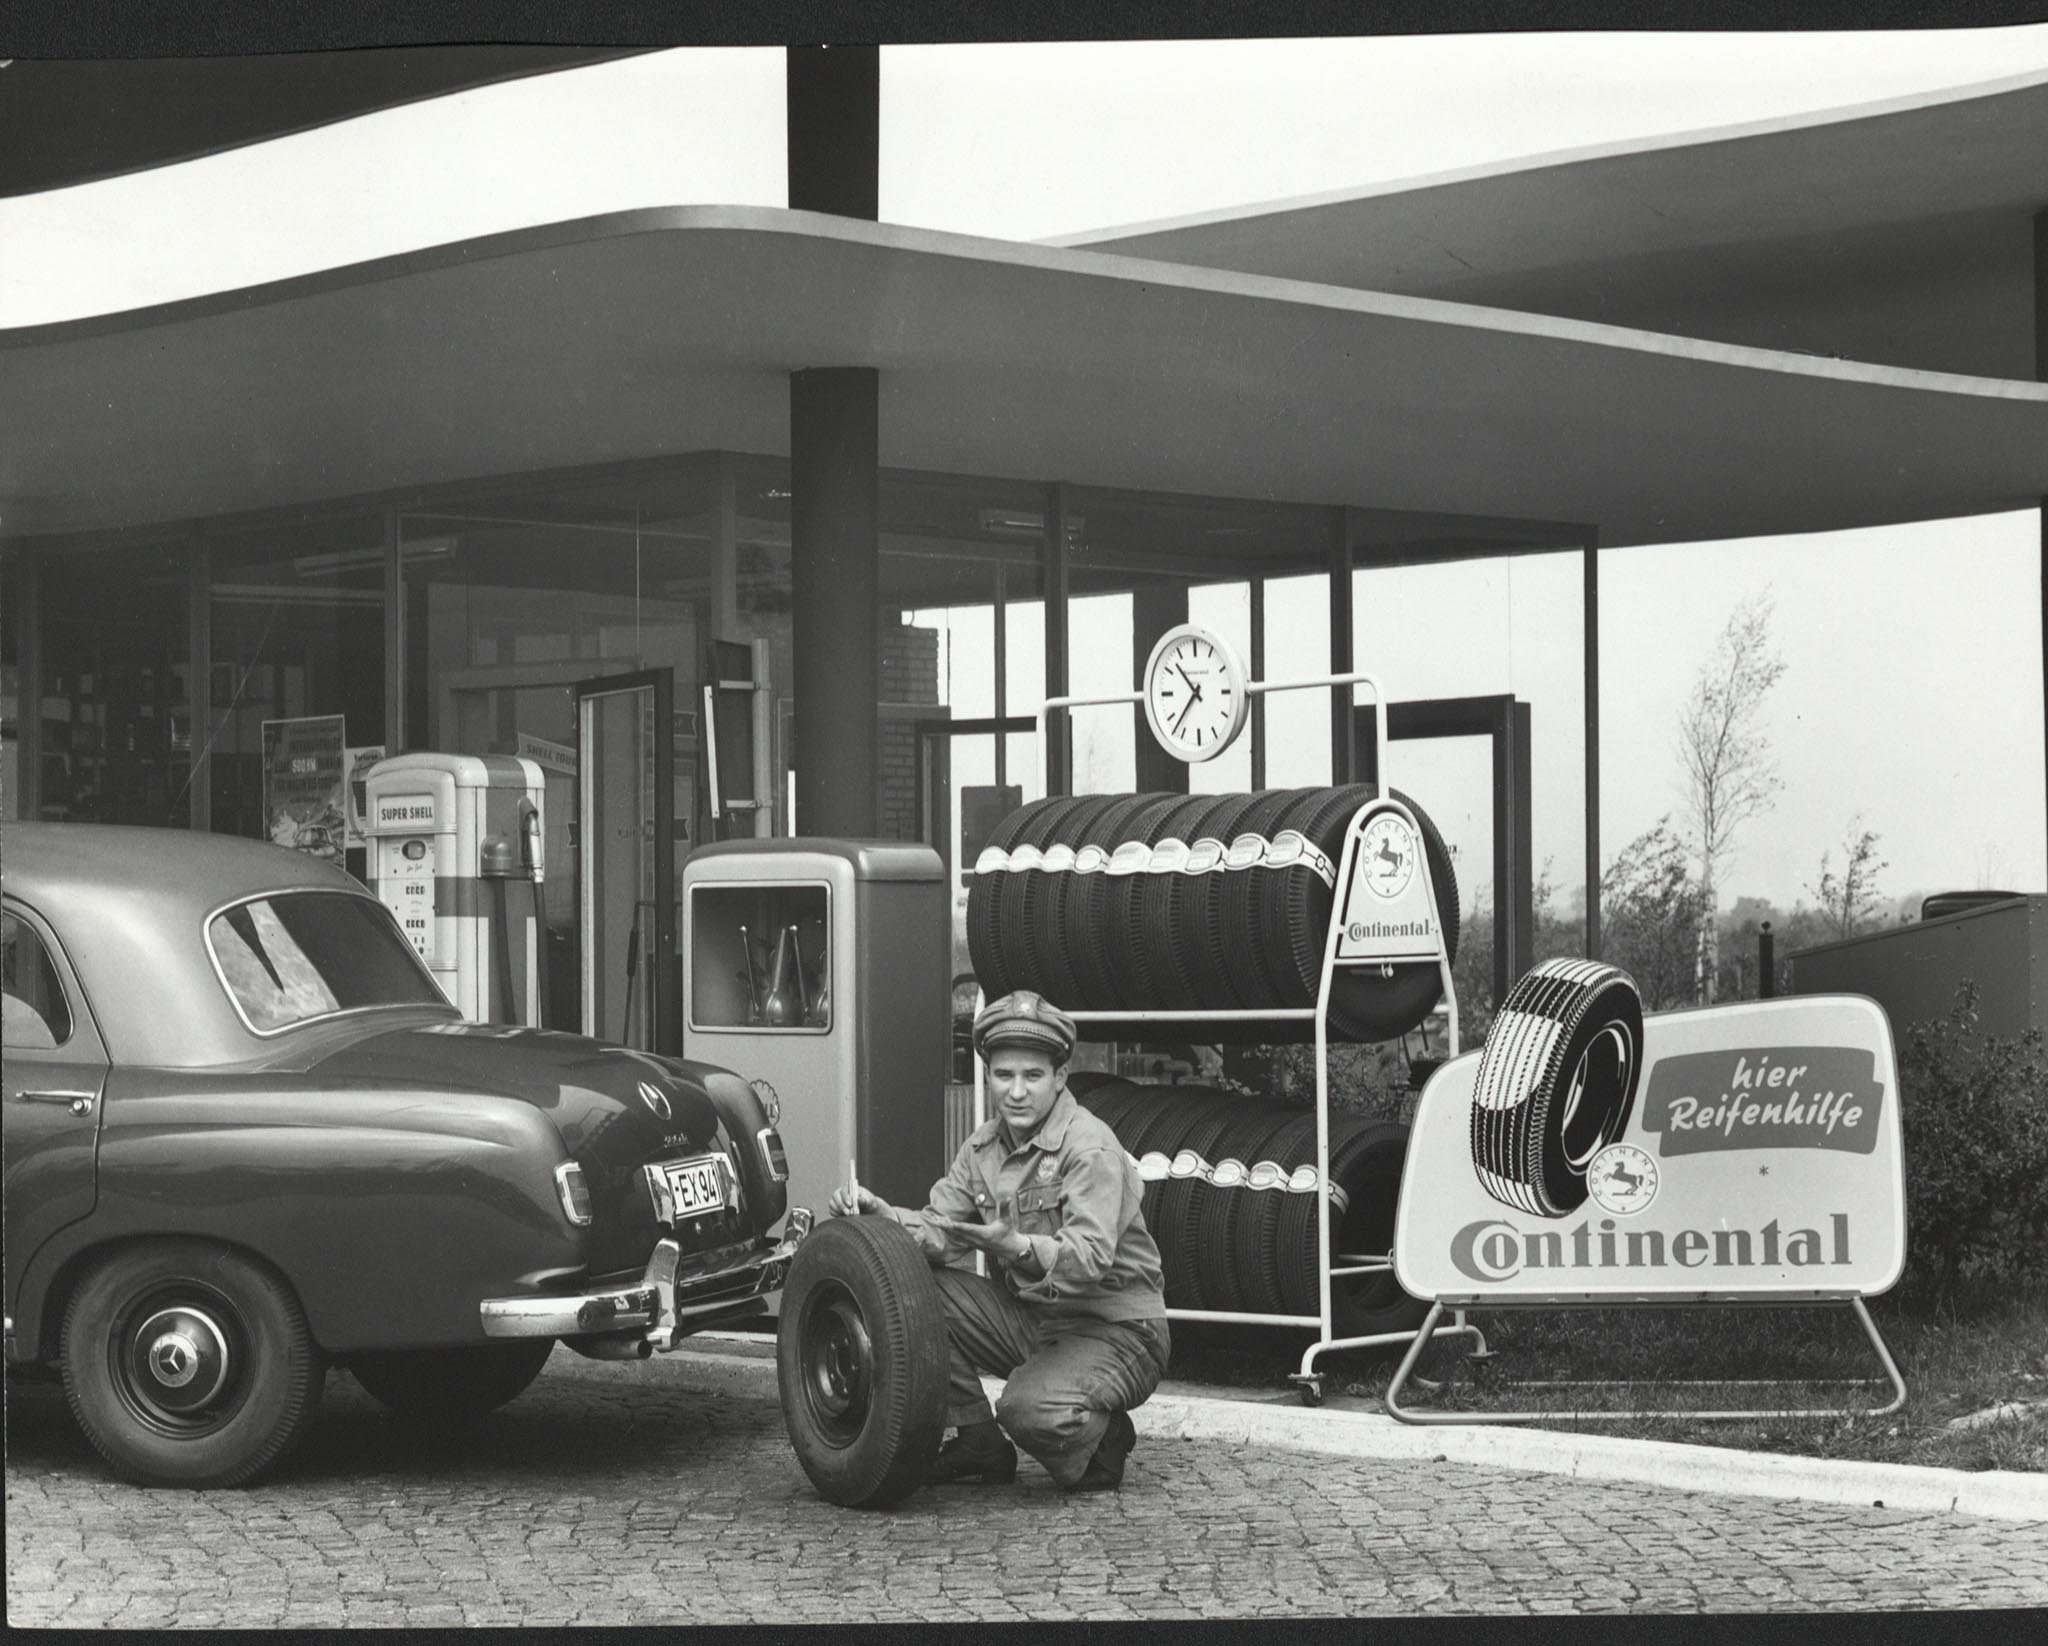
[37,1016]
[297,632]
[295,956]
[761,958]
[113,702]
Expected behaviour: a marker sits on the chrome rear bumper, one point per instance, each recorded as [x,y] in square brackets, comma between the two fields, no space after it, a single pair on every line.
[659,1306]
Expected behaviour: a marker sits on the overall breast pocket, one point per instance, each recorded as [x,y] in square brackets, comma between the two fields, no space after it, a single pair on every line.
[1038,1209]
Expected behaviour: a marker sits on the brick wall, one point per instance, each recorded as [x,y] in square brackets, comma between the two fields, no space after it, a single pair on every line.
[909,674]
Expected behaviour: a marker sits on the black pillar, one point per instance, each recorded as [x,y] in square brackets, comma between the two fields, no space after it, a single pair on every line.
[1590,617]
[834,128]
[1155,608]
[2041,374]
[1059,741]
[1343,738]
[832,565]
[834,124]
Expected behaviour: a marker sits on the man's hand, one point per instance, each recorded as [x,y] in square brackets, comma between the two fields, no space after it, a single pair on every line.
[996,1238]
[843,1204]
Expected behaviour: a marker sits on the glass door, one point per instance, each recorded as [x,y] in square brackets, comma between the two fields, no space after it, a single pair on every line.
[626,859]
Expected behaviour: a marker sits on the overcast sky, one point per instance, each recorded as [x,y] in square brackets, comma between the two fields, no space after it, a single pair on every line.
[1913,691]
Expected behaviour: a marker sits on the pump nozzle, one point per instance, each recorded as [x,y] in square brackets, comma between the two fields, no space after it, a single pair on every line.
[529,842]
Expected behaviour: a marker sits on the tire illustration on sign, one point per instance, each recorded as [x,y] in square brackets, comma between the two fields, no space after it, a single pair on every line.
[861,1361]
[1556,1083]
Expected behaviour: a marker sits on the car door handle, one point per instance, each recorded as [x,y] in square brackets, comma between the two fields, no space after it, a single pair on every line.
[77,1102]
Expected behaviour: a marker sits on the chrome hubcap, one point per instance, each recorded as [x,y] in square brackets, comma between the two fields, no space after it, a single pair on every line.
[178,1362]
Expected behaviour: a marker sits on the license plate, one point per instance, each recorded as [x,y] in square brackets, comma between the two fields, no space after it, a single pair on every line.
[695,1187]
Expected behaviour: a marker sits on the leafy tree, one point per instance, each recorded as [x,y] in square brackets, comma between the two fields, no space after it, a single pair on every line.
[1650,916]
[1730,776]
[1849,902]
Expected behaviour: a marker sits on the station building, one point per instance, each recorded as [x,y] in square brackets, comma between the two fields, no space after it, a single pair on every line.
[441,494]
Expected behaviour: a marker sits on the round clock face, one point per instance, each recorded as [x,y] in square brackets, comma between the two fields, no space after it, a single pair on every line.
[1194,694]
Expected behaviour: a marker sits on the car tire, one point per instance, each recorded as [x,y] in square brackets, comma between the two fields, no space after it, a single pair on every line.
[985,897]
[861,1360]
[189,1364]
[1556,1083]
[1366,1162]
[448,1385]
[1121,951]
[1160,909]
[1071,914]
[1199,917]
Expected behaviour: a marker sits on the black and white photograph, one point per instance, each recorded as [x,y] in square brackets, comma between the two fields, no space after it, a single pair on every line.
[828,820]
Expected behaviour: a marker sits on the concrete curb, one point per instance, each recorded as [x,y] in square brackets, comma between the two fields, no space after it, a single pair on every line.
[1182,1412]
[2001,1494]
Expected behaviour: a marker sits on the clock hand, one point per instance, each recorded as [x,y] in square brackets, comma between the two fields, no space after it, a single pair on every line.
[1189,704]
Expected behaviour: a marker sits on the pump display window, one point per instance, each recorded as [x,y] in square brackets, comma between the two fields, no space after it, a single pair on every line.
[761,957]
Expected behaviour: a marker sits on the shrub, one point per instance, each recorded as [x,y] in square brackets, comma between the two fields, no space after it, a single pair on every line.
[1975,1115]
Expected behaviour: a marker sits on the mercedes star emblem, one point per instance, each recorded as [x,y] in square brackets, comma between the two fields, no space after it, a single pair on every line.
[653,1098]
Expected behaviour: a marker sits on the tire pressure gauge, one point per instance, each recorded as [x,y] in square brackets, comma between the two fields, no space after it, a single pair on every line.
[1195,698]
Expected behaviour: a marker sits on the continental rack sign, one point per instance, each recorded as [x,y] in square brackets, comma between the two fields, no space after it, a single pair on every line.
[1590,1152]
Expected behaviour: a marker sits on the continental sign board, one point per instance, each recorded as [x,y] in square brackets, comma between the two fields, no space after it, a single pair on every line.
[1388,910]
[1590,1153]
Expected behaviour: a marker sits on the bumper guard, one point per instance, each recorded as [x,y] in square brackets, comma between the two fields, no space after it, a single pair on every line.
[660,1306]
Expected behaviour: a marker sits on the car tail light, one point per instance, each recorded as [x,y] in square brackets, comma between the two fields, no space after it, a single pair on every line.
[575,1193]
[772,1154]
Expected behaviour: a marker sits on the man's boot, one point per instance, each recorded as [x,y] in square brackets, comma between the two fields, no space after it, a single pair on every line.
[979,1454]
[1105,1471]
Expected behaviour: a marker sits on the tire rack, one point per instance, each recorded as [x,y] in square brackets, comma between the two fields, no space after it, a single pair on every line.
[1329,1266]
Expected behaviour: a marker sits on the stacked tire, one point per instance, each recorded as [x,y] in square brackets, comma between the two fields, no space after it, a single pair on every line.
[1172,902]
[1246,1243]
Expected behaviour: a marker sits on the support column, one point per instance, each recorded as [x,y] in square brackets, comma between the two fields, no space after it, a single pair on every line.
[2041,375]
[1257,664]
[1590,623]
[394,638]
[1155,608]
[1343,739]
[834,132]
[199,680]
[834,124]
[28,723]
[724,600]
[833,563]
[1059,734]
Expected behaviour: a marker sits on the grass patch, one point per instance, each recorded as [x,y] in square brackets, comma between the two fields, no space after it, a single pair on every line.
[1991,1361]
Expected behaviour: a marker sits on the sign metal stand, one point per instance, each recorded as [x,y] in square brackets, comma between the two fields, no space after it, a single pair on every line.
[1750,1156]
[1411,1414]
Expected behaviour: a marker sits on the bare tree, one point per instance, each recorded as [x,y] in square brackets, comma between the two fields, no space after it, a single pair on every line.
[1730,776]
[1650,916]
[1849,901]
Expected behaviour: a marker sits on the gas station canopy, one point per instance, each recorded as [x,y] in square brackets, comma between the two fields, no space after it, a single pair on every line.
[674,330]
[1789,327]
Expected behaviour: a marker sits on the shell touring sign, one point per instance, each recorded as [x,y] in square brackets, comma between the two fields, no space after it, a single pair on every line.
[1588,1153]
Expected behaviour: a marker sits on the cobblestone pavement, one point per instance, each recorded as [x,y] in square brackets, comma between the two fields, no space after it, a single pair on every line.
[667,1493]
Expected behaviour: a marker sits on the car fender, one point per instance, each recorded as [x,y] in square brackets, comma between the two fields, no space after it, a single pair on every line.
[392,1213]
[744,1119]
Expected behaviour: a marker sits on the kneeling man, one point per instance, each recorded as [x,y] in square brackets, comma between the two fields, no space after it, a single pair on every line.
[1075,1313]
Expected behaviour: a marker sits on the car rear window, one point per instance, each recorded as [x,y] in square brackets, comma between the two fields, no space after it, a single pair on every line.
[294,956]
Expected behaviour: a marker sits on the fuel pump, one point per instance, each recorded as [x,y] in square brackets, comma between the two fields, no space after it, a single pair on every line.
[455,852]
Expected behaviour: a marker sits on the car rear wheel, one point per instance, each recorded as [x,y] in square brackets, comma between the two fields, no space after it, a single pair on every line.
[861,1360]
[189,1364]
[445,1385]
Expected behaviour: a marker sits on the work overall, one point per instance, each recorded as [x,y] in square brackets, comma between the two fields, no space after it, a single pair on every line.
[1086,1340]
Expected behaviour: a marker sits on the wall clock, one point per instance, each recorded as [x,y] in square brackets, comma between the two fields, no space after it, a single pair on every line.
[1195,697]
